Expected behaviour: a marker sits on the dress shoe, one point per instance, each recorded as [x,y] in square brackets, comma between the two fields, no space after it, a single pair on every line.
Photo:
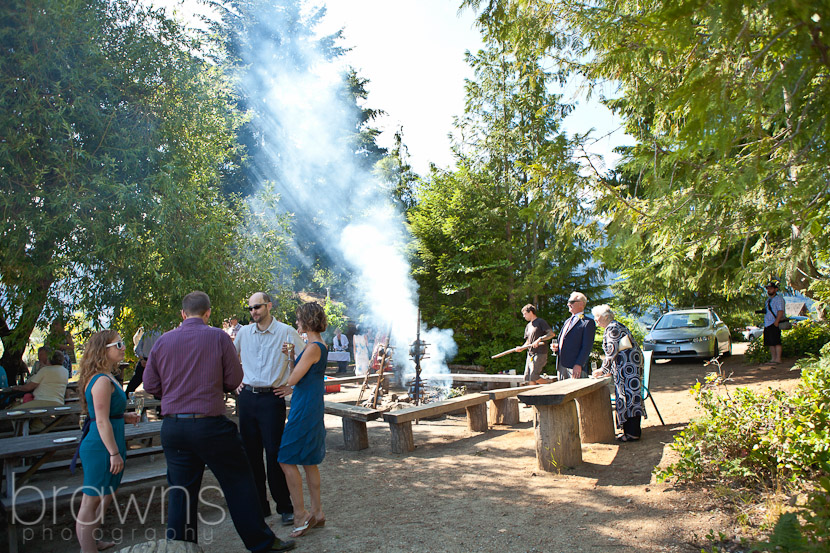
[280,545]
[287,519]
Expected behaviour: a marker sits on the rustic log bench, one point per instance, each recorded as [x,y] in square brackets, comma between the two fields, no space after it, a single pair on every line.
[558,427]
[504,405]
[400,421]
[355,434]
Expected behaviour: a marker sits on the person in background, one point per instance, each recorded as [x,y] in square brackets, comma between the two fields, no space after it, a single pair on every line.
[304,440]
[191,368]
[773,314]
[234,327]
[42,360]
[61,339]
[340,343]
[142,351]
[575,340]
[48,386]
[624,361]
[261,412]
[4,378]
[537,330]
[103,447]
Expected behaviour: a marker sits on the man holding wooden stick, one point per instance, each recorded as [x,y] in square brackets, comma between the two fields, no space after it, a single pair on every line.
[536,332]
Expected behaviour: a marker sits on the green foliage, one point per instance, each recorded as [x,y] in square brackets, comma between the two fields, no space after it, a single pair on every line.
[728,104]
[802,340]
[766,439]
[509,226]
[335,314]
[115,135]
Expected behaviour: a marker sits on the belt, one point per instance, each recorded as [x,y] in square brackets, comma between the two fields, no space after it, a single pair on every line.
[186,416]
[258,389]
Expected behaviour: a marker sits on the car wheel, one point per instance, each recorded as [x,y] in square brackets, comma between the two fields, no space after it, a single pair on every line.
[728,352]
[717,348]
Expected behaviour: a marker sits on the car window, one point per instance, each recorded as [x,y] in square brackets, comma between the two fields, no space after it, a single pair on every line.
[682,320]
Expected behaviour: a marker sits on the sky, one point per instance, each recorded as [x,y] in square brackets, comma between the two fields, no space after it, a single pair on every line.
[412,52]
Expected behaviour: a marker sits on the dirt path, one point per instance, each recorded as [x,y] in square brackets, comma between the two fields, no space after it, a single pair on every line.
[467,492]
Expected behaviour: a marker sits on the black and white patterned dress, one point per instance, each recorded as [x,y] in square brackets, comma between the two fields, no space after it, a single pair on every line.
[626,366]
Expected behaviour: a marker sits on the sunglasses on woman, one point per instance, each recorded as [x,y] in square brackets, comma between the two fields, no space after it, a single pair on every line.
[118,345]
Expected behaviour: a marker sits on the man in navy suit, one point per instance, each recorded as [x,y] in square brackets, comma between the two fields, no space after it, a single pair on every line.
[575,340]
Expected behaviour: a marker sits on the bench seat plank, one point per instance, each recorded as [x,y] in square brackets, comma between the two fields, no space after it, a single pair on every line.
[563,391]
[434,408]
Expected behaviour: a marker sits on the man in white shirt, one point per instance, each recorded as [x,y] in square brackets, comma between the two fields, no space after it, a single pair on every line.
[261,413]
[340,343]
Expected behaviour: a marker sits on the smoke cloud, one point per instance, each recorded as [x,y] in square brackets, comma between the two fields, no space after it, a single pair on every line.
[336,202]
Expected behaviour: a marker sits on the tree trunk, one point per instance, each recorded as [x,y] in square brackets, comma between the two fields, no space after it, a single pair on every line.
[16,339]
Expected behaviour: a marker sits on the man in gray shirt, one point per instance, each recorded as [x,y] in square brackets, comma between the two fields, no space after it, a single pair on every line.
[261,413]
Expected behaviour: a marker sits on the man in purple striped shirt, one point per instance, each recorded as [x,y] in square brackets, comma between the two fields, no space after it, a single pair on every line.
[191,367]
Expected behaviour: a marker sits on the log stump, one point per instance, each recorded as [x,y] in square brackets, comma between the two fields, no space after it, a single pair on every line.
[557,436]
[504,411]
[163,546]
[596,420]
[477,417]
[402,439]
[355,434]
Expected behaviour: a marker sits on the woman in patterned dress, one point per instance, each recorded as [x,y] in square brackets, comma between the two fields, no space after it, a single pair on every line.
[623,361]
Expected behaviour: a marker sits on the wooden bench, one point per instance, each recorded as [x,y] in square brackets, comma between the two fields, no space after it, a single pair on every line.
[559,430]
[504,405]
[400,421]
[42,447]
[355,417]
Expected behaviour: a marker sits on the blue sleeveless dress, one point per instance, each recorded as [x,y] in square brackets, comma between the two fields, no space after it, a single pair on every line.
[95,459]
[304,439]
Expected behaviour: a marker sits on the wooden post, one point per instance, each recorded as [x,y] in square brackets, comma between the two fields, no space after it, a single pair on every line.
[402,439]
[596,422]
[355,434]
[477,417]
[557,437]
[504,411]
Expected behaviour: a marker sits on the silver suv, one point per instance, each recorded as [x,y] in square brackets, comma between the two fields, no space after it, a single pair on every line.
[697,333]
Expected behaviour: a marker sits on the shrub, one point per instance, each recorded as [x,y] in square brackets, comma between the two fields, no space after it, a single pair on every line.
[805,338]
[766,439]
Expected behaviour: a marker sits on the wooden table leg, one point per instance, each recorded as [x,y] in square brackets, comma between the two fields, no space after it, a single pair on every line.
[504,411]
[596,421]
[557,436]
[477,417]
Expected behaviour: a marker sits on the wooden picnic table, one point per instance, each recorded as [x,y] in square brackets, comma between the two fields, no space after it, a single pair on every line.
[61,413]
[40,448]
[44,446]
[559,430]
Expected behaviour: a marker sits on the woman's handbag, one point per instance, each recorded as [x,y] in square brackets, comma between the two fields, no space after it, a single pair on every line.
[625,343]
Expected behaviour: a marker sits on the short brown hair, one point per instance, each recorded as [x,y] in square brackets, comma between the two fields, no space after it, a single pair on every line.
[312,317]
[196,303]
[529,308]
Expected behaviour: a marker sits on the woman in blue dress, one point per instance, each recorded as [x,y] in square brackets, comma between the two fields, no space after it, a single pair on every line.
[304,439]
[103,449]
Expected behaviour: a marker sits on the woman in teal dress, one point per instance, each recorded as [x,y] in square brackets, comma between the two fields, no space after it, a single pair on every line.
[304,439]
[103,449]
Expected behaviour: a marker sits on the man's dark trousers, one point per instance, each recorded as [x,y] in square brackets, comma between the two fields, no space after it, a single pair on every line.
[137,379]
[189,445]
[261,423]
